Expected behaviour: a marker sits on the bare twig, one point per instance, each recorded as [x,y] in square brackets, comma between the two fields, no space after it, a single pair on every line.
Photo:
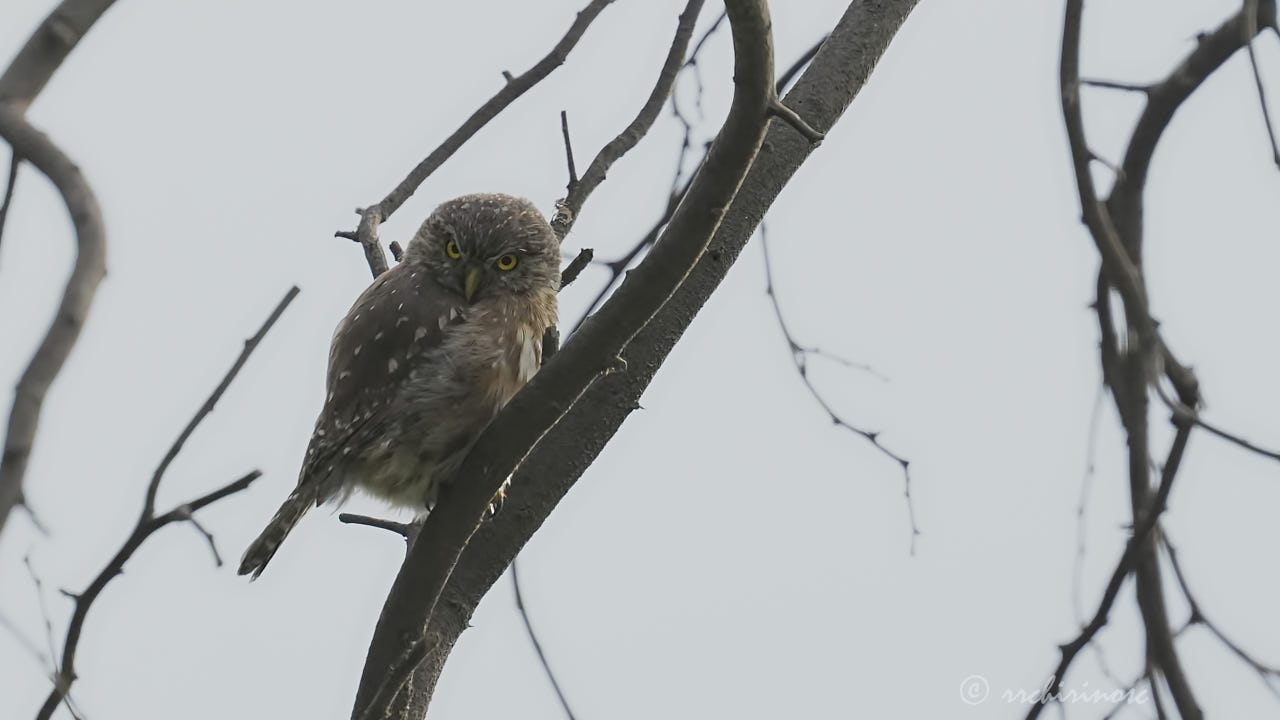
[636,130]
[371,217]
[249,346]
[38,585]
[147,525]
[619,265]
[799,356]
[87,271]
[797,123]
[1267,673]
[784,80]
[568,153]
[404,530]
[692,62]
[1250,31]
[25,642]
[1137,545]
[15,160]
[537,646]
[1086,486]
[149,522]
[184,514]
[1115,85]
[575,267]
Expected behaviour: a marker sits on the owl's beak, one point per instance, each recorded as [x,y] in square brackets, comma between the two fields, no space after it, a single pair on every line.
[471,283]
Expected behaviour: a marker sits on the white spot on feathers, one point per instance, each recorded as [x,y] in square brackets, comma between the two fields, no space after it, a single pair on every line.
[392,365]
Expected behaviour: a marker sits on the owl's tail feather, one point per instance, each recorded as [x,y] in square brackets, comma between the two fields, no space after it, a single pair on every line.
[261,550]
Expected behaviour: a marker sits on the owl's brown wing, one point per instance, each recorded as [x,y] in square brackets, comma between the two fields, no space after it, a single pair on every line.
[393,325]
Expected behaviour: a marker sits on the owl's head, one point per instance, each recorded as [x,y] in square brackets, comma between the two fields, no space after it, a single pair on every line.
[488,245]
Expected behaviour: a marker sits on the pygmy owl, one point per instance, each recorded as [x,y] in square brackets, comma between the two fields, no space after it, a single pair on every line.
[426,357]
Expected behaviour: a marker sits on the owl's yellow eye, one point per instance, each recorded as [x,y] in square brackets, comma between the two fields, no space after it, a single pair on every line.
[507,262]
[452,250]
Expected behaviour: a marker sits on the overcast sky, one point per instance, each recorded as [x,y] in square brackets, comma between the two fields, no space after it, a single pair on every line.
[730,554]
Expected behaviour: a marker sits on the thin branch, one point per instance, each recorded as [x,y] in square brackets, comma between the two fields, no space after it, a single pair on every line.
[184,513]
[697,47]
[371,217]
[618,266]
[25,642]
[575,267]
[1138,543]
[1086,486]
[1251,31]
[149,522]
[797,123]
[1114,85]
[404,530]
[692,63]
[1267,673]
[38,585]
[88,270]
[568,152]
[784,80]
[249,346]
[144,529]
[636,130]
[15,161]
[537,646]
[799,353]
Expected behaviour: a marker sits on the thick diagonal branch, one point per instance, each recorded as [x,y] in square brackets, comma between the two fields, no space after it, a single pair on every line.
[401,639]
[821,95]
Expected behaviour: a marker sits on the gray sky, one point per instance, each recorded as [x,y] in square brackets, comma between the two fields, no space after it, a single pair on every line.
[730,554]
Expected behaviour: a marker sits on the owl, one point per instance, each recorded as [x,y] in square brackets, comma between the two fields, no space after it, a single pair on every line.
[426,357]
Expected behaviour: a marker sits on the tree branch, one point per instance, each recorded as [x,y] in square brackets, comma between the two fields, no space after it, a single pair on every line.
[799,355]
[88,270]
[15,161]
[579,191]
[366,232]
[149,522]
[1116,228]
[401,640]
[45,50]
[115,567]
[618,266]
[1138,543]
[537,646]
[821,95]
